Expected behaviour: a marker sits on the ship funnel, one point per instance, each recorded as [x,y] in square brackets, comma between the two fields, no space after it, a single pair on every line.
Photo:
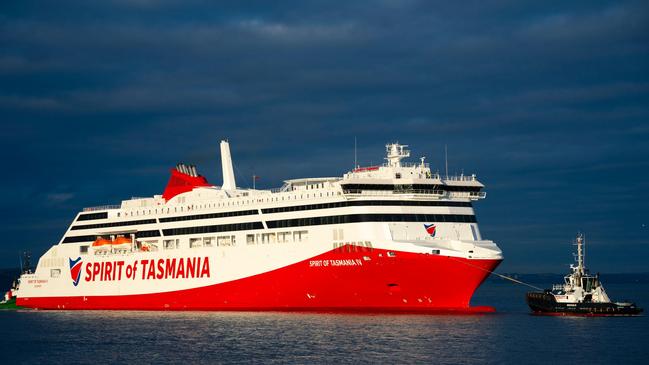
[226,166]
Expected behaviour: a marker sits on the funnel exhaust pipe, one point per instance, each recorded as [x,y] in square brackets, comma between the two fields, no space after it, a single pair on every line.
[226,166]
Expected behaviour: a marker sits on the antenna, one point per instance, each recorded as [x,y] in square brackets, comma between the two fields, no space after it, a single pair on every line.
[580,253]
[584,235]
[446,159]
[355,159]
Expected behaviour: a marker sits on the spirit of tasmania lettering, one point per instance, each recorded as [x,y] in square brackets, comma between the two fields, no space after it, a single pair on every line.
[154,269]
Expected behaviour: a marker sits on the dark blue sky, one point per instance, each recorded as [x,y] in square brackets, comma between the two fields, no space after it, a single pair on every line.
[548,102]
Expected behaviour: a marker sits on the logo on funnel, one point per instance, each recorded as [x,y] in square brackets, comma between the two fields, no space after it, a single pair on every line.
[75,270]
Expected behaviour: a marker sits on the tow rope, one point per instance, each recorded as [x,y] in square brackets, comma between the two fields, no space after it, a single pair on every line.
[499,275]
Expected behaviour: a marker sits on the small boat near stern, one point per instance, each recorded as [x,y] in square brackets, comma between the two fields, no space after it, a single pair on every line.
[581,294]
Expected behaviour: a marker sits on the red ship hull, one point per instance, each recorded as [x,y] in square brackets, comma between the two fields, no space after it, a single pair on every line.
[383,281]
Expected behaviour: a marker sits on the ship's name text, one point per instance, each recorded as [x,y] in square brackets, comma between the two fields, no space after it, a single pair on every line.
[325,263]
[169,268]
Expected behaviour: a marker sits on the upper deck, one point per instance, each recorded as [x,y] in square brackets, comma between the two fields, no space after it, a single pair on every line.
[392,180]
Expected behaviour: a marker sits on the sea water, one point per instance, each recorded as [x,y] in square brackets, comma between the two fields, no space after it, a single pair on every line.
[510,336]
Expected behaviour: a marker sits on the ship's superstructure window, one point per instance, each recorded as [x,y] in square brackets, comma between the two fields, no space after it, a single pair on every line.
[213,229]
[300,236]
[55,273]
[226,241]
[362,203]
[90,238]
[209,216]
[276,237]
[171,244]
[283,237]
[348,247]
[359,218]
[114,224]
[83,249]
[268,238]
[355,188]
[149,245]
[92,216]
[209,241]
[152,233]
[195,242]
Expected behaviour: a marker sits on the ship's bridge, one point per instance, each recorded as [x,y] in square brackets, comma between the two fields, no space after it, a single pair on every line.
[396,177]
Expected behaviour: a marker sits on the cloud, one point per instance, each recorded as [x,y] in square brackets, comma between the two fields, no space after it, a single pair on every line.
[58,198]
[620,22]
[548,104]
[298,33]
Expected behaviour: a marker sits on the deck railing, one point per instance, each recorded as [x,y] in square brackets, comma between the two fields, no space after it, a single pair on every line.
[101,207]
[393,192]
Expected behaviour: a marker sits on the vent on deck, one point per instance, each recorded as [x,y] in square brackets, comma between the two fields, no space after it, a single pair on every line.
[187,170]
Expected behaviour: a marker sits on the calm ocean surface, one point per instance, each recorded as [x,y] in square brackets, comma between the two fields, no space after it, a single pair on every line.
[511,336]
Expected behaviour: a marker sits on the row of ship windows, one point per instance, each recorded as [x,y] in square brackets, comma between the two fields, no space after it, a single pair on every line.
[278,210]
[114,224]
[278,237]
[211,241]
[366,203]
[92,216]
[358,218]
[171,244]
[90,238]
[298,222]
[348,247]
[212,229]
[407,187]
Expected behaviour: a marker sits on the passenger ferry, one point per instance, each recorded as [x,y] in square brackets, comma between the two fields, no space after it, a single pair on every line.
[394,237]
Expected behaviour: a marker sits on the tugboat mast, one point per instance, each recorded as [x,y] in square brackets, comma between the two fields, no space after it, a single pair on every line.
[580,254]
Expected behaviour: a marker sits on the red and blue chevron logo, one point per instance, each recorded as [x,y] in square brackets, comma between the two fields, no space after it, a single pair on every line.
[431,229]
[75,270]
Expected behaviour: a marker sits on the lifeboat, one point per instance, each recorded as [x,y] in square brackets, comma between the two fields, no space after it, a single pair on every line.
[122,243]
[102,244]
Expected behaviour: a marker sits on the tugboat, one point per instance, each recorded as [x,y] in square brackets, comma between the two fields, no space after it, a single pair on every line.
[9,299]
[580,294]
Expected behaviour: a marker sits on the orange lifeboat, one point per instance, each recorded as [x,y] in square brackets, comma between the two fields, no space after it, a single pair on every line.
[122,243]
[102,244]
